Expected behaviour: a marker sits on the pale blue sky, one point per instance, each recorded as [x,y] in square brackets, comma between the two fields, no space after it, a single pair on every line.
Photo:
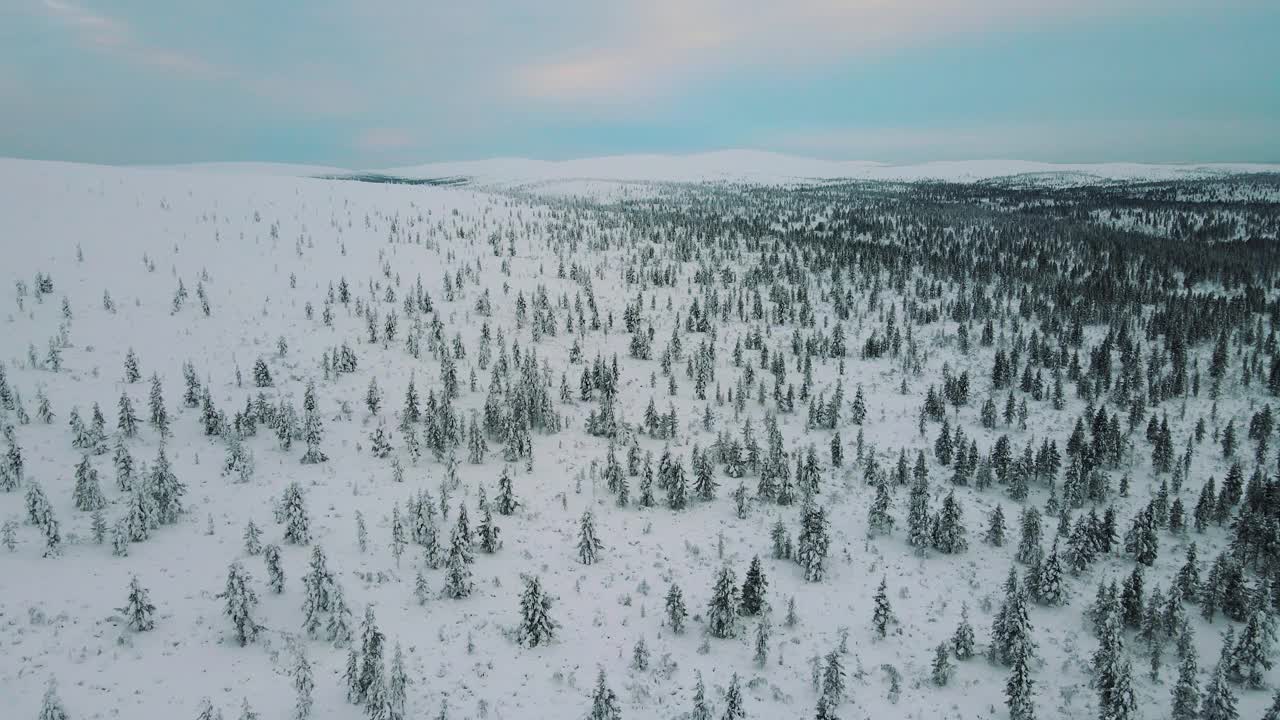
[377,83]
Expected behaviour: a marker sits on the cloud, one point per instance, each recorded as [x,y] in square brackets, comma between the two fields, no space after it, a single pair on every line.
[384,139]
[654,47]
[117,37]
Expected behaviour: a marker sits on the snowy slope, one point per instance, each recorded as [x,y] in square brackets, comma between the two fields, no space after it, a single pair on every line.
[766,167]
[264,246]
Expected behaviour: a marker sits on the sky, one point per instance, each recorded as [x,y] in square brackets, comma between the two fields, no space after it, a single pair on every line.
[382,83]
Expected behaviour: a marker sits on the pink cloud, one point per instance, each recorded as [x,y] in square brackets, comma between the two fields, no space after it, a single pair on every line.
[651,47]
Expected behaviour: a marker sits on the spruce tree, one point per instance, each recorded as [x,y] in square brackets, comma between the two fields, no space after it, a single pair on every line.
[734,708]
[722,611]
[1020,688]
[240,600]
[275,573]
[1251,656]
[962,639]
[1186,693]
[312,428]
[397,687]
[701,710]
[88,492]
[589,545]
[942,668]
[604,703]
[252,538]
[138,611]
[1219,701]
[51,707]
[458,566]
[371,648]
[754,587]
[813,543]
[883,614]
[536,625]
[506,500]
[292,511]
[995,528]
[676,611]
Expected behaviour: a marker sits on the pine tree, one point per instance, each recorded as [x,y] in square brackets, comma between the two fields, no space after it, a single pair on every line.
[701,710]
[676,611]
[1020,688]
[397,687]
[604,703]
[51,708]
[275,573]
[733,701]
[488,533]
[1186,693]
[589,545]
[207,711]
[88,492]
[1219,700]
[883,614]
[506,500]
[722,611]
[138,610]
[962,639]
[918,535]
[1251,656]
[252,538]
[536,625]
[458,567]
[754,588]
[240,601]
[879,520]
[292,511]
[371,669]
[813,543]
[942,667]
[312,428]
[166,489]
[159,415]
[995,528]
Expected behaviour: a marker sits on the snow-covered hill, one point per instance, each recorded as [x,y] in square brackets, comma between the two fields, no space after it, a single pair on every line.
[766,167]
[507,316]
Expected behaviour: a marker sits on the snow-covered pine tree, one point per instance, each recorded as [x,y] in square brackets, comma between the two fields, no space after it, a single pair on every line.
[676,611]
[138,611]
[536,625]
[813,543]
[458,566]
[51,707]
[371,668]
[604,703]
[883,614]
[312,428]
[589,544]
[734,705]
[292,511]
[240,600]
[275,573]
[252,538]
[942,667]
[88,491]
[723,610]
[754,587]
[962,639]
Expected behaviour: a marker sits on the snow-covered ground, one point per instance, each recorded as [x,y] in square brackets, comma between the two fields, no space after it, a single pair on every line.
[767,167]
[263,245]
